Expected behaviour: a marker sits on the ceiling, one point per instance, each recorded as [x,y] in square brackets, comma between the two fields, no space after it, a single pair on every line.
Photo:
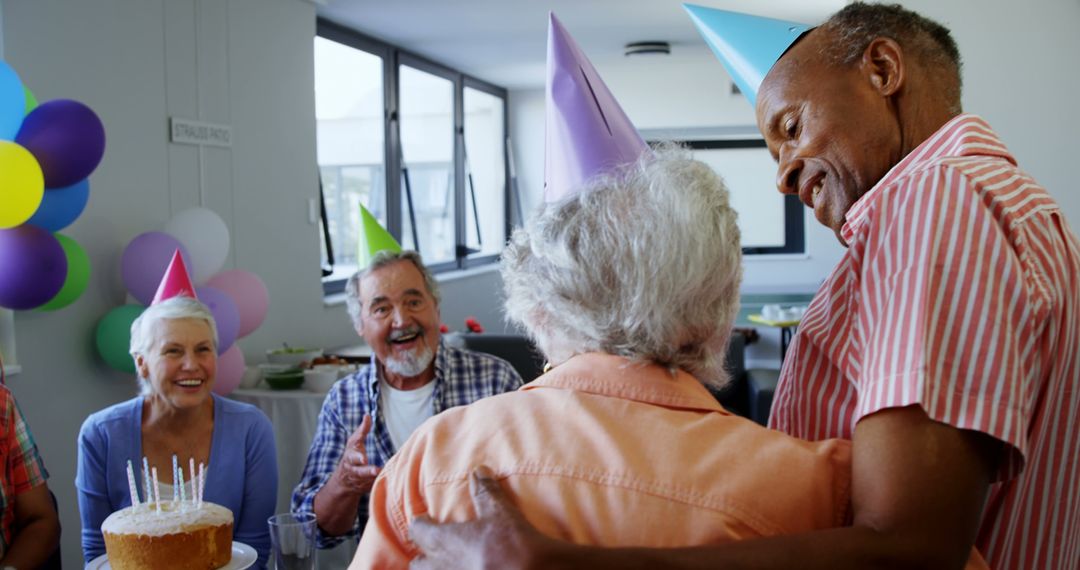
[503,41]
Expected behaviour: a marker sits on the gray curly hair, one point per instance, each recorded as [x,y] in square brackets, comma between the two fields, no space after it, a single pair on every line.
[644,263]
[380,260]
[853,28]
[142,330]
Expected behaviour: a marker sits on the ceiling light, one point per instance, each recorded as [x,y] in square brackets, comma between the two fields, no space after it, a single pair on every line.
[643,48]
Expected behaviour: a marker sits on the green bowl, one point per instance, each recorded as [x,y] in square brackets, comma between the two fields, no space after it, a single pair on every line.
[285,381]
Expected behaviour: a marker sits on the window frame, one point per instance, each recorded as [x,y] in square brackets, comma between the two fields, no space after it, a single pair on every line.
[393,58]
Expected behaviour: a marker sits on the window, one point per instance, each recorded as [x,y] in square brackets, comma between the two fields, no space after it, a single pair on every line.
[427,164]
[422,146]
[749,172]
[350,140]
[485,171]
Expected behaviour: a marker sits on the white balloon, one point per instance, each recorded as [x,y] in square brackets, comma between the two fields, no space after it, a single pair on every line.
[206,238]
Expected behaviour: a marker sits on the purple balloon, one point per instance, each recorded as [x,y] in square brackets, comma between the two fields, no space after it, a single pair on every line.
[144,262]
[226,315]
[32,267]
[66,138]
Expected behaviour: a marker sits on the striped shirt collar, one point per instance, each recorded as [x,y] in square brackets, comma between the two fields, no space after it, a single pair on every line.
[963,135]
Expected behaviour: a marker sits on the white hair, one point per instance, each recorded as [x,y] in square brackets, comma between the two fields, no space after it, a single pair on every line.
[142,330]
[644,263]
[380,260]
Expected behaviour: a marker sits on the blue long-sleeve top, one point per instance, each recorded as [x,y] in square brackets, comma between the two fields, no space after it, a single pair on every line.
[242,476]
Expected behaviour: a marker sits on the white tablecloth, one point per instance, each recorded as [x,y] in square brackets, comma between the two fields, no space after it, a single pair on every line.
[294,415]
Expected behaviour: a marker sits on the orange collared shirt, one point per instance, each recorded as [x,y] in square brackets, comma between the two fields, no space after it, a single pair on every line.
[606,451]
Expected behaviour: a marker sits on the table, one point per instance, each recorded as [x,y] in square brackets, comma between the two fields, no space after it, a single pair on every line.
[787,331]
[294,414]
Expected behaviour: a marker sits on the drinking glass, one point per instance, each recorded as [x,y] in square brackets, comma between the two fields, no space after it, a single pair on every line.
[292,537]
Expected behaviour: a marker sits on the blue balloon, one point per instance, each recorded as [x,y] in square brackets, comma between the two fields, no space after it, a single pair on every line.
[12,102]
[61,206]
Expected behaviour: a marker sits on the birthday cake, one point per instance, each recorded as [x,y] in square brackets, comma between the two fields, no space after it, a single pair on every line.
[179,535]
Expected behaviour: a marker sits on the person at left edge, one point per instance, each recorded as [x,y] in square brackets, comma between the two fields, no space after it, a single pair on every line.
[29,524]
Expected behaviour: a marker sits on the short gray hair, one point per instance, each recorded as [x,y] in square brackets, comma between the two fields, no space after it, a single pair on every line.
[382,259]
[851,30]
[142,335]
[644,263]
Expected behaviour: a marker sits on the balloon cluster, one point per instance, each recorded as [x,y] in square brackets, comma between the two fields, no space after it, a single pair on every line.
[47,151]
[237,298]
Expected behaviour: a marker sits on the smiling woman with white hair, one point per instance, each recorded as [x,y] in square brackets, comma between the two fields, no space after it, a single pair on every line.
[174,345]
[630,288]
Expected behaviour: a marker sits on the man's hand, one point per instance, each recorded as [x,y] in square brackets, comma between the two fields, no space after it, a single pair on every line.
[353,471]
[500,537]
[919,488]
[336,504]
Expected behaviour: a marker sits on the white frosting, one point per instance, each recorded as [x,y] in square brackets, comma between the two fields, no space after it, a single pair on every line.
[174,517]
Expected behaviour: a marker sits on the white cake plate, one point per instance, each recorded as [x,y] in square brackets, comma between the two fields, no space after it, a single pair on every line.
[243,556]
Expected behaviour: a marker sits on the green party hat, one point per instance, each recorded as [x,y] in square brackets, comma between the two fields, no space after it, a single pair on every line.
[374,238]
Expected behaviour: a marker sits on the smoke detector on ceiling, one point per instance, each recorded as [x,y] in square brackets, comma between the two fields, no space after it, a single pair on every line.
[647,48]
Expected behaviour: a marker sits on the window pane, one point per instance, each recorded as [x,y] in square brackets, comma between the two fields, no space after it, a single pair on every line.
[349,137]
[427,141]
[484,140]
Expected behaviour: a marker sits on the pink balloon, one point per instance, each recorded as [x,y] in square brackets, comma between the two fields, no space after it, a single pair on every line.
[230,370]
[248,292]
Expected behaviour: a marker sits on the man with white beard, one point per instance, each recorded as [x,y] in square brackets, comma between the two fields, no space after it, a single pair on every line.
[394,305]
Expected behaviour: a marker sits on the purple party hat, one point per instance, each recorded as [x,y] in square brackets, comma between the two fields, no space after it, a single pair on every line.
[587,131]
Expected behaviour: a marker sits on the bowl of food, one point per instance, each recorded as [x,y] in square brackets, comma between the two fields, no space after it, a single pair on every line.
[290,379]
[320,378]
[294,356]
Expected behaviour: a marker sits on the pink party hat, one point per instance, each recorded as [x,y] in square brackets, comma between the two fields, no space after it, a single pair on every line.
[587,131]
[176,282]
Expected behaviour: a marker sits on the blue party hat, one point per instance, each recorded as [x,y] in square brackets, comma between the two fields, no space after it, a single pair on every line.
[748,46]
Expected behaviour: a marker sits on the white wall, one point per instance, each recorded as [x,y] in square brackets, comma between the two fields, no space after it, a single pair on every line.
[245,63]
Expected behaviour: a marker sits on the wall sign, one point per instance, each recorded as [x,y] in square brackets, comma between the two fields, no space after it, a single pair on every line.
[187,131]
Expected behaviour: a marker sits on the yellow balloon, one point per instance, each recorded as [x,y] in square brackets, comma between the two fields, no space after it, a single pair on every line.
[22,185]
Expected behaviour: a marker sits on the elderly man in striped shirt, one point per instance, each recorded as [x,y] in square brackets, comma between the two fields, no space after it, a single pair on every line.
[945,345]
[394,305]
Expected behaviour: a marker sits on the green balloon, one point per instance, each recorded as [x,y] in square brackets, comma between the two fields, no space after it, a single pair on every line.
[77,277]
[114,337]
[31,101]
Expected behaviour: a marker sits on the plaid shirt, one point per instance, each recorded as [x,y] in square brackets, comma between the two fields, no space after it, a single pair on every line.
[23,469]
[461,377]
